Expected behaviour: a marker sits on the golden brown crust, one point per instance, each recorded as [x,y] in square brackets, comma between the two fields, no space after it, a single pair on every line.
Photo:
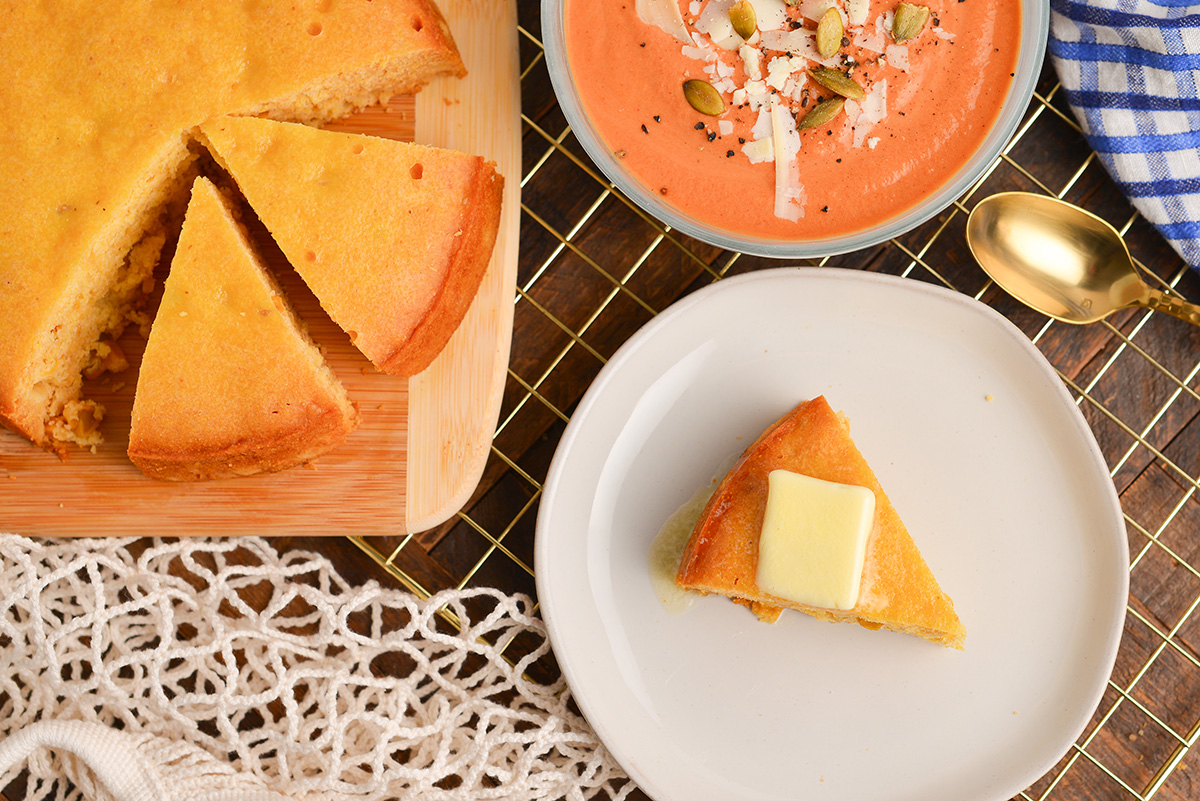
[319,435]
[899,592]
[20,415]
[481,221]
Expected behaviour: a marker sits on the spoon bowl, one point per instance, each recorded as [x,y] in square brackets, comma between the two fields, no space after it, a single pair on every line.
[1061,260]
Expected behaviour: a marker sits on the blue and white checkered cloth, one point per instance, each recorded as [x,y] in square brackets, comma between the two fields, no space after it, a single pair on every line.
[1131,70]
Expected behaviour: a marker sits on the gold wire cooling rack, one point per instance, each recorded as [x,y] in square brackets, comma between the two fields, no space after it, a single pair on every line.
[594,269]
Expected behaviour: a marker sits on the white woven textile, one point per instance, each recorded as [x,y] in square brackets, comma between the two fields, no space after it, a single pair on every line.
[221,670]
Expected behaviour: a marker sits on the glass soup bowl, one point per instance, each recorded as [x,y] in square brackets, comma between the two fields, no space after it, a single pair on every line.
[1032,45]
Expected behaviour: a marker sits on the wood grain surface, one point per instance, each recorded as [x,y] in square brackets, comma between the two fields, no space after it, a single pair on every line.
[593,270]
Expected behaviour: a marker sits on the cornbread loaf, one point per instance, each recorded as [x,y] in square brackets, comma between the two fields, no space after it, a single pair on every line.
[95,112]
[393,238]
[898,590]
[230,384]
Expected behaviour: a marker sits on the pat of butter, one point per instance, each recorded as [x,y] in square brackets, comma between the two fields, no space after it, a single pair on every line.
[814,540]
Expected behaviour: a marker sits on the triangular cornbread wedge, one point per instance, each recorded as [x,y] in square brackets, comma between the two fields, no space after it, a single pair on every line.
[899,592]
[393,238]
[96,106]
[230,384]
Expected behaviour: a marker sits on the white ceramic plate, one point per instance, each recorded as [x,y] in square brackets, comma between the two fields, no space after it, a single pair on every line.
[980,449]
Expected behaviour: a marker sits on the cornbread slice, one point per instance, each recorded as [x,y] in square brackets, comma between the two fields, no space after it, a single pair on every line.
[95,108]
[899,591]
[230,384]
[393,238]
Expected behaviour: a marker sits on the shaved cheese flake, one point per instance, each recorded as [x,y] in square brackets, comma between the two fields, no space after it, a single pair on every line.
[874,109]
[796,194]
[725,127]
[772,14]
[698,53]
[799,42]
[869,40]
[759,150]
[792,69]
[757,95]
[787,41]
[751,62]
[739,97]
[851,109]
[857,11]
[731,42]
[942,33]
[715,22]
[665,15]
[762,125]
[897,56]
[883,23]
[874,106]
[874,140]
[755,88]
[789,194]
[778,71]
[815,9]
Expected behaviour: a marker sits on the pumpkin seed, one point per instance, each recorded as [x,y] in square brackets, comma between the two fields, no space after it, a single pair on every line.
[745,21]
[703,97]
[829,33]
[838,82]
[822,113]
[909,21]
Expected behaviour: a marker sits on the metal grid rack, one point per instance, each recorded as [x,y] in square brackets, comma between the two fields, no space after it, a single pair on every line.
[594,269]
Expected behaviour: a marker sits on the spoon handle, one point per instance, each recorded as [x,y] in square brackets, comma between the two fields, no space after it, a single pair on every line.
[1177,307]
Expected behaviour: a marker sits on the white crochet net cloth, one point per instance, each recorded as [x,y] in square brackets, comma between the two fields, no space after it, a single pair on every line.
[234,671]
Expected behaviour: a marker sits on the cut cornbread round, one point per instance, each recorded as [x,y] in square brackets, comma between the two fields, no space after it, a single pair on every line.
[96,110]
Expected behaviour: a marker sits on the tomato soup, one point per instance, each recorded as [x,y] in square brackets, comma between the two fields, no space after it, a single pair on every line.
[924,105]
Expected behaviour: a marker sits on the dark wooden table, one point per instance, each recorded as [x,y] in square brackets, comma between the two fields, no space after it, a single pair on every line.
[594,269]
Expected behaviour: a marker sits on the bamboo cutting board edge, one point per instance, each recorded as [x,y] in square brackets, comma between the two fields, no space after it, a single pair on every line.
[448,449]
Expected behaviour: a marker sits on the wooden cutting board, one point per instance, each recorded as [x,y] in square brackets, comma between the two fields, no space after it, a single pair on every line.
[423,442]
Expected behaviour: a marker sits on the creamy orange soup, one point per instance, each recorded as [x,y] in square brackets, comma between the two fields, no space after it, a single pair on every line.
[930,102]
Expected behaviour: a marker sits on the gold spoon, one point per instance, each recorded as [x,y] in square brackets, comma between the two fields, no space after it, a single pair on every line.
[1061,260]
